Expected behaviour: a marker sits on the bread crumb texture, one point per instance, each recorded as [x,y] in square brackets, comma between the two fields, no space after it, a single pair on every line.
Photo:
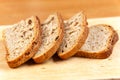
[50,33]
[18,38]
[97,39]
[72,32]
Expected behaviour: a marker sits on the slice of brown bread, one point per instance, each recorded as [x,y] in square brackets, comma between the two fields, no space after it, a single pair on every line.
[52,36]
[100,42]
[76,32]
[22,41]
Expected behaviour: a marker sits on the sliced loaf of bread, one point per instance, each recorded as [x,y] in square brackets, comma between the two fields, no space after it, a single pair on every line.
[22,40]
[100,42]
[75,34]
[52,36]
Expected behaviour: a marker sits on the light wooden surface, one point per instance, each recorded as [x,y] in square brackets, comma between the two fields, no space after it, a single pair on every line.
[12,11]
[75,68]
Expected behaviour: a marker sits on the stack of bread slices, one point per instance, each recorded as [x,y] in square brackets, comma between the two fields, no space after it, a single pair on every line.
[30,39]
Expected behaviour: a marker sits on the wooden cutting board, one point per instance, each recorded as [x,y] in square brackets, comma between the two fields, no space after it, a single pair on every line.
[75,68]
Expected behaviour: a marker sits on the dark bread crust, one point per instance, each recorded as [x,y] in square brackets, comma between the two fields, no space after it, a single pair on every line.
[31,49]
[48,54]
[80,41]
[107,51]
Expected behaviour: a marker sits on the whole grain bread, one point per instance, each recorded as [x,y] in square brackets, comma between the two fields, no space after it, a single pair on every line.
[22,40]
[76,32]
[52,36]
[100,42]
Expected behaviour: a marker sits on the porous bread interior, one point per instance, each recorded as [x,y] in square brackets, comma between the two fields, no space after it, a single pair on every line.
[18,38]
[50,31]
[97,39]
[72,32]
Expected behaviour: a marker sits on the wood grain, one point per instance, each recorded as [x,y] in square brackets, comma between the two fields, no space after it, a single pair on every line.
[75,68]
[11,11]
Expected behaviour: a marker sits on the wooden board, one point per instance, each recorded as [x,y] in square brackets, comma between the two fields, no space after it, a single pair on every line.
[75,68]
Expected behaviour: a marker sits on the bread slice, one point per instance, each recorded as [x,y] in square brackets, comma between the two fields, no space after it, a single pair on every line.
[100,42]
[52,35]
[76,32]
[22,41]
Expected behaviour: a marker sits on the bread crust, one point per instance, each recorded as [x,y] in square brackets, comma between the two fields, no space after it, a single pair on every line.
[79,42]
[31,49]
[107,51]
[48,54]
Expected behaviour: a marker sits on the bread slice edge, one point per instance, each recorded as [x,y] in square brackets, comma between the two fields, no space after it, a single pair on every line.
[48,54]
[80,41]
[104,53]
[30,50]
[77,46]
